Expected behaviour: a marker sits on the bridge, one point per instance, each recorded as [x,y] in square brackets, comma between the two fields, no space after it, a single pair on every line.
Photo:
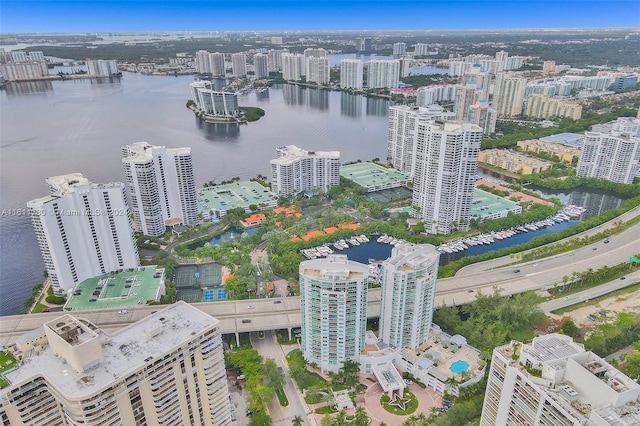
[243,316]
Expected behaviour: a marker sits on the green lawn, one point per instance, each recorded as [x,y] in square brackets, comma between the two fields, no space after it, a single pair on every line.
[7,362]
[282,397]
[412,405]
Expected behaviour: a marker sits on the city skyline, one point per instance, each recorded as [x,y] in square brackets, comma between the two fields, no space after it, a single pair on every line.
[173,15]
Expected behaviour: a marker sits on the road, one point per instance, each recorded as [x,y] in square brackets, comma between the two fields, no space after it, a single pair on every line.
[267,314]
[268,347]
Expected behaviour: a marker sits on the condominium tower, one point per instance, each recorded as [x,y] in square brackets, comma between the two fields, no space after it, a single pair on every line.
[292,66]
[611,151]
[421,49]
[383,73]
[162,190]
[261,65]
[333,304]
[351,74]
[318,70]
[403,125]
[554,381]
[102,68]
[399,48]
[166,369]
[83,230]
[446,163]
[239,64]
[212,102]
[408,293]
[296,170]
[508,94]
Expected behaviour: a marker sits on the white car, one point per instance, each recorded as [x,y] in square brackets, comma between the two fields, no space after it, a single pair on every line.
[123,312]
[251,307]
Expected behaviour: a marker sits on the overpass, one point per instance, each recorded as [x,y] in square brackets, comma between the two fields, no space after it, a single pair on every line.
[267,314]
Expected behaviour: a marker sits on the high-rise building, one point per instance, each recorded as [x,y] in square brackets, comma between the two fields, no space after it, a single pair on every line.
[83,230]
[554,381]
[19,56]
[296,170]
[364,44]
[351,74]
[399,48]
[102,68]
[36,56]
[446,163]
[483,115]
[508,94]
[292,66]
[223,104]
[203,65]
[217,64]
[167,368]
[402,132]
[421,49]
[275,59]
[276,40]
[333,304]
[465,97]
[13,71]
[162,190]
[405,64]
[239,64]
[612,151]
[539,105]
[261,65]
[408,293]
[432,94]
[383,74]
[312,53]
[318,70]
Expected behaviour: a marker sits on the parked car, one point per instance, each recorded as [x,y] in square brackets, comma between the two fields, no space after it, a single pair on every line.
[277,301]
[246,321]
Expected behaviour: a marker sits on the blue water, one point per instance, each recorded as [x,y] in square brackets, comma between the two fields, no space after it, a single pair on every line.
[459,366]
[233,234]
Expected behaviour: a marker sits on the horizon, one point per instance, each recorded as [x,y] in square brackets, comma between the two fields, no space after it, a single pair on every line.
[73,16]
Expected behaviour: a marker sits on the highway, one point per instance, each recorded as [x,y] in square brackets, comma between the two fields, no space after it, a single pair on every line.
[266,314]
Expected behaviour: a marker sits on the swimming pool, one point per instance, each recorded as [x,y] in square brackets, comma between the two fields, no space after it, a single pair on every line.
[459,367]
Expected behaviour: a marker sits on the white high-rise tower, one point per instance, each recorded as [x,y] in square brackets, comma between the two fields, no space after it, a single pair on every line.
[351,74]
[408,292]
[161,186]
[446,164]
[83,230]
[333,303]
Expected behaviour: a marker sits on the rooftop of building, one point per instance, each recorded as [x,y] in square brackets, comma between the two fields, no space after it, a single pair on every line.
[441,351]
[116,290]
[485,203]
[124,352]
[143,151]
[412,255]
[233,195]
[335,267]
[62,185]
[292,153]
[373,176]
[579,381]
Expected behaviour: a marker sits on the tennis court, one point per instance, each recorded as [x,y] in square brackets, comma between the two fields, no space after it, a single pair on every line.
[185,276]
[210,295]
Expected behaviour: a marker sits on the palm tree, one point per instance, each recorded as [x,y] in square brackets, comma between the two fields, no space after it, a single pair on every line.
[341,418]
[361,418]
[297,421]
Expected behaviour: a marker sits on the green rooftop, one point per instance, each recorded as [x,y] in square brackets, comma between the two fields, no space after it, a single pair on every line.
[487,205]
[373,176]
[118,290]
[216,200]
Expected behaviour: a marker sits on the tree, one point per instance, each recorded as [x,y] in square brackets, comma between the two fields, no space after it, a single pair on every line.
[275,376]
[297,421]
[341,418]
[361,418]
[569,328]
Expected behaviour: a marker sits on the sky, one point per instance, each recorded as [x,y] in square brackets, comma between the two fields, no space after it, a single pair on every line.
[266,15]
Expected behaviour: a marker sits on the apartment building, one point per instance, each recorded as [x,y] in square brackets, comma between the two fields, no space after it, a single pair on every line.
[83,230]
[166,369]
[408,278]
[611,152]
[162,189]
[261,65]
[351,74]
[564,153]
[554,381]
[446,163]
[513,161]
[293,66]
[383,74]
[318,70]
[508,94]
[102,68]
[542,106]
[239,65]
[212,102]
[333,304]
[296,170]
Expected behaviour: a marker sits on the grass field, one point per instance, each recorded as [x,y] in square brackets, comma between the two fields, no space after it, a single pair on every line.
[7,362]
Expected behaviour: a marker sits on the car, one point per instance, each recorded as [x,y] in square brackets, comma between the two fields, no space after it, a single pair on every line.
[407,381]
[251,307]
[595,248]
[122,312]
[46,310]
[535,264]
[246,321]
[623,278]
[258,273]
[516,271]
[566,298]
[592,317]
[241,377]
[363,385]
[606,241]
[277,301]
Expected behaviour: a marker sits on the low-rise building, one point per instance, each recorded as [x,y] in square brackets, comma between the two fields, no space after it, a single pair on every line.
[215,201]
[564,153]
[540,105]
[513,161]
